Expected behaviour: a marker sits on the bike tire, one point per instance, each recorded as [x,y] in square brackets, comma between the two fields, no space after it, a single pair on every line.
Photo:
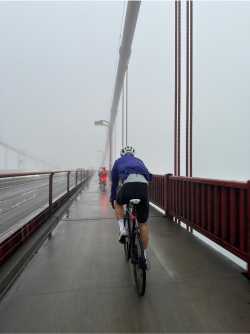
[127,243]
[139,265]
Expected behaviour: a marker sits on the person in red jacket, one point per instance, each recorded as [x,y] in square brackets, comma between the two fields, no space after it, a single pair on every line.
[103,177]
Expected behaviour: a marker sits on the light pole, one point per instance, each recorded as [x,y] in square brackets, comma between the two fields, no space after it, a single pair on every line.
[103,122]
[100,154]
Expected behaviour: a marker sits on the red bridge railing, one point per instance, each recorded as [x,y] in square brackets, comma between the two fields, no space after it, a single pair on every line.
[218,209]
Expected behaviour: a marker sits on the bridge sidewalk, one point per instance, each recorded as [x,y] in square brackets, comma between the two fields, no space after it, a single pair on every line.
[80,282]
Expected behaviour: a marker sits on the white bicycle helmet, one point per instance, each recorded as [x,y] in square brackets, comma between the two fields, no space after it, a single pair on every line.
[127,149]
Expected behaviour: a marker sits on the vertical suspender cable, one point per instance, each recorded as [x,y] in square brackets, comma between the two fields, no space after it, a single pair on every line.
[187,88]
[179,85]
[176,96]
[191,90]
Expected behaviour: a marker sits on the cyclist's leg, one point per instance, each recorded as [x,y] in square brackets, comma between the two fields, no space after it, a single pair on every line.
[144,232]
[144,229]
[119,211]
[142,211]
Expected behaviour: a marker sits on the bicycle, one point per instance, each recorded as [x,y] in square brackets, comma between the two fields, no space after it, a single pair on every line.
[133,246]
[102,185]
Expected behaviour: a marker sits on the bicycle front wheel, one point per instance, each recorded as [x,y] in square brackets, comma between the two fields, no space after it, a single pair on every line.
[139,265]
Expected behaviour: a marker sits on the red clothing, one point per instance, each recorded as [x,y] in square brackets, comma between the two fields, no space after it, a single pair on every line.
[103,176]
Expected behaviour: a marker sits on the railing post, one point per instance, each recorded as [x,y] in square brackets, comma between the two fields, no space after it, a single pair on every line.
[248,230]
[51,191]
[76,178]
[68,181]
[167,194]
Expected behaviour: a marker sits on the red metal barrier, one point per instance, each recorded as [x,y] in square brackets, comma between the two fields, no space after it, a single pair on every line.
[9,243]
[218,209]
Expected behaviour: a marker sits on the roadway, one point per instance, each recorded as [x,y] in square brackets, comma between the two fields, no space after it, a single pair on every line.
[20,197]
[79,281]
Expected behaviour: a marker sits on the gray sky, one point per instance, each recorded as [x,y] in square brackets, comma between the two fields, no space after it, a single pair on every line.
[58,63]
[57,71]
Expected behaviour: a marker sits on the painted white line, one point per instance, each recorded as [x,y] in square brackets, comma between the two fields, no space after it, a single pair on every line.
[23,201]
[157,208]
[28,192]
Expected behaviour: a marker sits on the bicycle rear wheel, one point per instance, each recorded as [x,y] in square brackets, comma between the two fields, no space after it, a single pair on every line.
[127,243]
[139,265]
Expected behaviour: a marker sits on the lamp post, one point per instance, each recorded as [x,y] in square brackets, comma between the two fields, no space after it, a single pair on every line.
[103,122]
[100,154]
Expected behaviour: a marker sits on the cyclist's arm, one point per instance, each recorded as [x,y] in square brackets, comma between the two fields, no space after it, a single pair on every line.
[147,174]
[114,180]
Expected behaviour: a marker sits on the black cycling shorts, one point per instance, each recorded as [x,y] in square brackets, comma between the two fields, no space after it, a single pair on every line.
[133,190]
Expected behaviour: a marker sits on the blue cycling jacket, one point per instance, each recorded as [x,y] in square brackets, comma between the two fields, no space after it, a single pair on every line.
[127,164]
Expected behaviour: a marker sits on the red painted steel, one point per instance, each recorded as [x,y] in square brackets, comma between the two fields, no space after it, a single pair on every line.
[179,89]
[51,190]
[191,94]
[218,209]
[232,214]
[68,181]
[175,92]
[248,228]
[203,206]
[242,211]
[187,85]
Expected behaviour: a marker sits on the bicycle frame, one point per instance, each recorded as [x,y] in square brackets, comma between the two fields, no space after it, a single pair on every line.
[134,249]
[130,216]
[133,228]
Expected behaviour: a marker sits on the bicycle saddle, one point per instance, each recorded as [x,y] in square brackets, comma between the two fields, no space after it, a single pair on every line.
[135,201]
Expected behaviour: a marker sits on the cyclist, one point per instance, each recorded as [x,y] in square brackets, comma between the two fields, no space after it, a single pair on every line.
[130,179]
[103,176]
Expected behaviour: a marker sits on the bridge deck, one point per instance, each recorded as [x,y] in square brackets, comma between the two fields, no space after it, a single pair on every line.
[80,282]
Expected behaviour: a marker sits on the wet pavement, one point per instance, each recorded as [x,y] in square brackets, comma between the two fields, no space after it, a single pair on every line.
[79,281]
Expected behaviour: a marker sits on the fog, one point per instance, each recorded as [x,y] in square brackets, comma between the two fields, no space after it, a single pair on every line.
[58,63]
[57,72]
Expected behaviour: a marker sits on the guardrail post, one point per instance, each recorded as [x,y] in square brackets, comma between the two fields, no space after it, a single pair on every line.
[167,194]
[51,190]
[76,177]
[68,181]
[248,230]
